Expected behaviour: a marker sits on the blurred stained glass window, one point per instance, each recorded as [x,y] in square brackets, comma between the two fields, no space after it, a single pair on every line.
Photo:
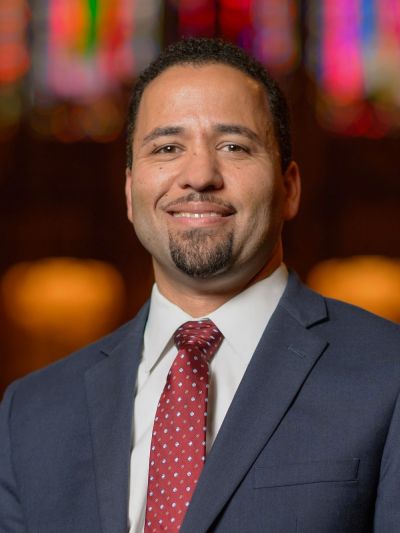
[81,54]
[276,34]
[267,29]
[353,53]
[66,63]
[14,61]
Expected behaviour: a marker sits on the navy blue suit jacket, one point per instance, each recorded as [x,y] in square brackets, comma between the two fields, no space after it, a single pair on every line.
[310,444]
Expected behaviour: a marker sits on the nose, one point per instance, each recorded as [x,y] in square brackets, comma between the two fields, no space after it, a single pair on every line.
[201,171]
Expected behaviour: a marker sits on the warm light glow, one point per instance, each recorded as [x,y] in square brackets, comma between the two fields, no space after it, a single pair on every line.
[371,282]
[69,300]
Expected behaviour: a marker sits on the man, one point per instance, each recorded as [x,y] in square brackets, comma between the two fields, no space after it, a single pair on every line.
[301,425]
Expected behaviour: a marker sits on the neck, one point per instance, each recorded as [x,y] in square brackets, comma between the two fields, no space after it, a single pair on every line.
[200,299]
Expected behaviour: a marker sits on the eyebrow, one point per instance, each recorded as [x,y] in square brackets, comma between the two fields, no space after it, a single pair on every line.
[162,132]
[238,129]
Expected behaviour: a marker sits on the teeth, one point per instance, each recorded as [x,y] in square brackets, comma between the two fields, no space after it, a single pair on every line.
[196,215]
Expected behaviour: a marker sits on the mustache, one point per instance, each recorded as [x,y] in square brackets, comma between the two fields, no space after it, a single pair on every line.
[199,197]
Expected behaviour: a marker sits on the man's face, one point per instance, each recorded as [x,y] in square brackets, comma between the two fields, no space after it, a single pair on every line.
[205,192]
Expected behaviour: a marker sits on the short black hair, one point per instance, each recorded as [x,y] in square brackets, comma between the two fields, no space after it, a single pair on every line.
[203,51]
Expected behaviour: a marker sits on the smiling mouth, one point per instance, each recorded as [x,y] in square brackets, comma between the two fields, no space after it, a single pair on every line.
[199,209]
[210,214]
[200,216]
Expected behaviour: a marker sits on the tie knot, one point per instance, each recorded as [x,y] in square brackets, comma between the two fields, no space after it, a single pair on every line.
[200,336]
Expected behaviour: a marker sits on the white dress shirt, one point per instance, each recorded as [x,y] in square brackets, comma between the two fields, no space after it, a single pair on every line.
[242,321]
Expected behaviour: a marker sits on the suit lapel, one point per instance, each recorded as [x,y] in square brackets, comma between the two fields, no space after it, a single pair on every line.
[281,363]
[110,392]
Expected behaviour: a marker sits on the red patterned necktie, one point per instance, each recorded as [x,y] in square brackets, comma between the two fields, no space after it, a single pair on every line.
[178,445]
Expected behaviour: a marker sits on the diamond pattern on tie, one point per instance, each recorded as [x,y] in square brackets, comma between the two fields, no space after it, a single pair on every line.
[178,445]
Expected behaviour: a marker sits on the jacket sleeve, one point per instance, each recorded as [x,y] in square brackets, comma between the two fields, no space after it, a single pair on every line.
[387,507]
[11,515]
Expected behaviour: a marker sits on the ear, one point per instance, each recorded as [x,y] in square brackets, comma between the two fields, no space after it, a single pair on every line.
[292,189]
[128,193]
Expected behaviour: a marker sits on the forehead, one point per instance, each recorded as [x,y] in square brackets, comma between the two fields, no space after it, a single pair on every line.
[203,93]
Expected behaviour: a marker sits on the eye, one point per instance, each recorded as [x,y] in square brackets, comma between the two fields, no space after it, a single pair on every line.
[166,149]
[235,148]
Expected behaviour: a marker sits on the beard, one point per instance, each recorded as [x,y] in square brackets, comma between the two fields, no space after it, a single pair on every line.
[196,254]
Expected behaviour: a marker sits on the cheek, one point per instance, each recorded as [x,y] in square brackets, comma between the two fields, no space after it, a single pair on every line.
[263,199]
[151,183]
[143,190]
[264,213]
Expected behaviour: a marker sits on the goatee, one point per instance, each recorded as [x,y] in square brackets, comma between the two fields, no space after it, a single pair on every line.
[195,253]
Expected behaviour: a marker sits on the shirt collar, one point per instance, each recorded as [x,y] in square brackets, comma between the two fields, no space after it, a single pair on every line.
[241,320]
[163,320]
